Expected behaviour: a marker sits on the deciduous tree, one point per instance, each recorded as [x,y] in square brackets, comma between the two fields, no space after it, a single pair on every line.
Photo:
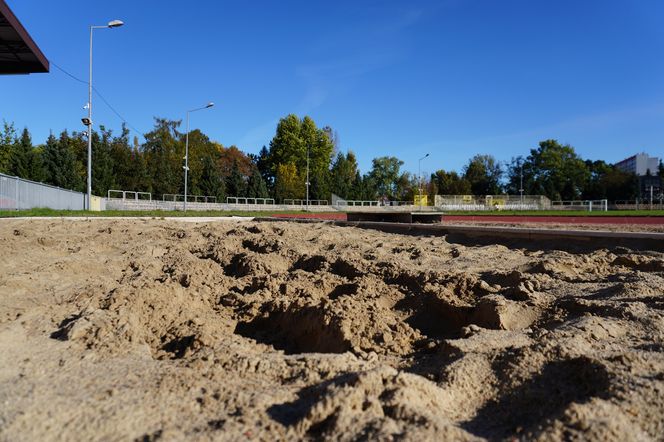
[384,175]
[483,173]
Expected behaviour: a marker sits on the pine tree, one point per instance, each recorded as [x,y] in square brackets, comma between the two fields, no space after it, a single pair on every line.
[256,187]
[25,161]
[262,162]
[59,163]
[7,141]
[103,177]
[211,182]
[235,184]
[343,175]
[163,152]
[319,188]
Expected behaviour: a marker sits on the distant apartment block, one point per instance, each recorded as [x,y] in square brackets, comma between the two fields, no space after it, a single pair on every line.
[640,164]
[647,170]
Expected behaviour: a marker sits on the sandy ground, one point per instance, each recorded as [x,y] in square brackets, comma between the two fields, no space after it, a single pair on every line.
[240,330]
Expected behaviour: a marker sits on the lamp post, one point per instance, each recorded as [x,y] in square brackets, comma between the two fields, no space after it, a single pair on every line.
[186,151]
[307,205]
[111,24]
[419,177]
[521,179]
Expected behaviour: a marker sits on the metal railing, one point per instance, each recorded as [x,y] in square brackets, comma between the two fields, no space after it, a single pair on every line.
[247,200]
[131,193]
[17,193]
[354,203]
[299,202]
[175,197]
[643,204]
[589,205]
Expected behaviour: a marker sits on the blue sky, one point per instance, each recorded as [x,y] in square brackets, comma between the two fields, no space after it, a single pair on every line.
[405,78]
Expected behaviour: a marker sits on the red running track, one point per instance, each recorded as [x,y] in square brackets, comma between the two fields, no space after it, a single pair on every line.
[512,219]
[641,220]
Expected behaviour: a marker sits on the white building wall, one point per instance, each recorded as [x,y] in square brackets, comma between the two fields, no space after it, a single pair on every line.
[640,164]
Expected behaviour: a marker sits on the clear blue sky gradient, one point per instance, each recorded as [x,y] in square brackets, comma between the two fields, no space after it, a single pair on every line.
[405,78]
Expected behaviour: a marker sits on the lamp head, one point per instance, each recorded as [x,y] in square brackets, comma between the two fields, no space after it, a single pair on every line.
[115,23]
[210,104]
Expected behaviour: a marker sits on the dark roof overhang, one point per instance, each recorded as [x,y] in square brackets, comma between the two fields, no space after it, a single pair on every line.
[19,54]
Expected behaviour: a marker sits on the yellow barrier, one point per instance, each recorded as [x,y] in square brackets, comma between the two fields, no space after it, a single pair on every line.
[420,200]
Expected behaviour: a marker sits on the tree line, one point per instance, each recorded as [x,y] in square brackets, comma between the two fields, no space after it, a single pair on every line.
[279,170]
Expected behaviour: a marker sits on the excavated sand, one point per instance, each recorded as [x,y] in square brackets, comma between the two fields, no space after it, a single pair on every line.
[158,330]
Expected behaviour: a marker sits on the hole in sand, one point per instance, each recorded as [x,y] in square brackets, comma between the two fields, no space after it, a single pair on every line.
[310,264]
[433,317]
[177,347]
[343,290]
[297,330]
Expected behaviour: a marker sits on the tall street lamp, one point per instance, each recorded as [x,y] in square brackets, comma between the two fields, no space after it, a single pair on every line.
[186,151]
[419,176]
[521,179]
[307,183]
[88,122]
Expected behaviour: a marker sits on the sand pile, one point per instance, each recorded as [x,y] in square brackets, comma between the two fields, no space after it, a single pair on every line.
[152,329]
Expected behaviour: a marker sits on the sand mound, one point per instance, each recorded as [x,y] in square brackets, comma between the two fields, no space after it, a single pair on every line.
[153,329]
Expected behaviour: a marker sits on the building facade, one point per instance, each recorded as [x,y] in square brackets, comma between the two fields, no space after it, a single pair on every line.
[640,164]
[646,168]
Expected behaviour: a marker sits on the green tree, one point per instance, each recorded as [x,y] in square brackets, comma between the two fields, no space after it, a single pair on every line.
[7,141]
[450,183]
[384,175]
[211,181]
[262,163]
[200,148]
[483,173]
[129,168]
[344,175]
[60,164]
[407,187]
[103,176]
[25,161]
[164,157]
[235,182]
[554,170]
[256,186]
[319,188]
[605,181]
[288,184]
[364,189]
[294,141]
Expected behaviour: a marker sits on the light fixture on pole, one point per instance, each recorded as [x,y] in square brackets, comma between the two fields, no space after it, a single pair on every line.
[186,151]
[419,177]
[88,121]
